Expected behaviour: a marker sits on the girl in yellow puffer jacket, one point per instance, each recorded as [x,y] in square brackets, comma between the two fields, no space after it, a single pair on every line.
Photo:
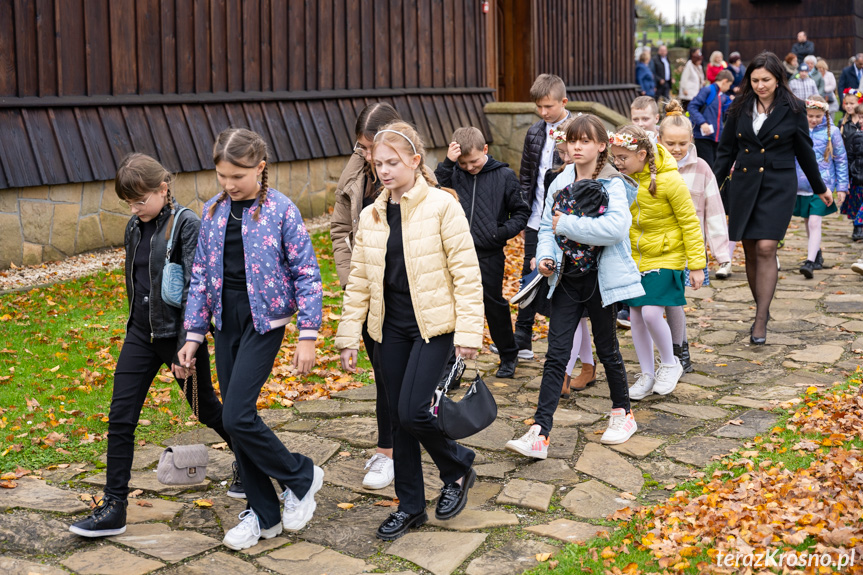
[666,237]
[415,277]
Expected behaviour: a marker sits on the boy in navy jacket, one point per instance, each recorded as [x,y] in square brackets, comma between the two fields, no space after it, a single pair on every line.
[707,113]
[491,197]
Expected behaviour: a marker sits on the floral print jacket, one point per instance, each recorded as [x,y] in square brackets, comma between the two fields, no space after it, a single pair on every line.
[281,269]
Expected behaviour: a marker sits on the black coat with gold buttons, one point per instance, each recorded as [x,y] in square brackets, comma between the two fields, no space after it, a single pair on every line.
[760,197]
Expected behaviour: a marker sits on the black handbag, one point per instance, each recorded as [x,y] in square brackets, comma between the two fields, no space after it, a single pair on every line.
[476,410]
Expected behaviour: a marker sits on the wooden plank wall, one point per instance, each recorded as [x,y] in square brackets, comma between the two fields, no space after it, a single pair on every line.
[587,43]
[114,47]
[835,26]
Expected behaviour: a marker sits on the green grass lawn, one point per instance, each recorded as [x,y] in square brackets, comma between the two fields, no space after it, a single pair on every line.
[58,349]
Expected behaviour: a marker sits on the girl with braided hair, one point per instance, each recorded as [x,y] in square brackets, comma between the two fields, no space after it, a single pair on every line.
[833,166]
[666,238]
[584,252]
[254,269]
[154,330]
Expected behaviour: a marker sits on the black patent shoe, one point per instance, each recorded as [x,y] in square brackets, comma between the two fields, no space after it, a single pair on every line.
[507,368]
[758,340]
[453,497]
[236,489]
[109,518]
[399,523]
[807,268]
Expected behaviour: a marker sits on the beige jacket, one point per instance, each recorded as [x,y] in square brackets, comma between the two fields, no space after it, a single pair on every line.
[441,263]
[346,215]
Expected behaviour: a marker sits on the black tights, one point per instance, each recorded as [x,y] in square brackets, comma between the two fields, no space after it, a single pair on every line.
[762,275]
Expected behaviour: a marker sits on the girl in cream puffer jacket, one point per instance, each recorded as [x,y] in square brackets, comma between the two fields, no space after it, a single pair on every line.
[416,278]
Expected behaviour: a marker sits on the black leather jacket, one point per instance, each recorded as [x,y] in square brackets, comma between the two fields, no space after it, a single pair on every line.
[165,321]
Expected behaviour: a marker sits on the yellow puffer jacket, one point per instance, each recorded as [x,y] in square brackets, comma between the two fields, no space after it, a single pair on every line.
[441,263]
[665,232]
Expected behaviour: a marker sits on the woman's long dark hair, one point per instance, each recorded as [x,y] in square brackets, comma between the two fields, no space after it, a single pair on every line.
[769,61]
[374,117]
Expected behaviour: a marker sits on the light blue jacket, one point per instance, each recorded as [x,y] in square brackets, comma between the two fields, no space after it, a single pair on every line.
[618,275]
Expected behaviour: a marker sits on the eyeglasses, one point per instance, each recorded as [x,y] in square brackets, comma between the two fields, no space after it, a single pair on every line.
[134,205]
[360,148]
[617,159]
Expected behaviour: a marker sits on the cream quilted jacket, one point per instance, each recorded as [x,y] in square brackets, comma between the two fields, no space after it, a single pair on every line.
[442,267]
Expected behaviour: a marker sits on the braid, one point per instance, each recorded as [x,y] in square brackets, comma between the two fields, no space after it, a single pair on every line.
[262,193]
[600,163]
[828,153]
[427,174]
[651,161]
[212,209]
[170,203]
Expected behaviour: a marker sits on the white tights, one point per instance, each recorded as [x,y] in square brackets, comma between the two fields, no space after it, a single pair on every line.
[580,347]
[813,232]
[649,327]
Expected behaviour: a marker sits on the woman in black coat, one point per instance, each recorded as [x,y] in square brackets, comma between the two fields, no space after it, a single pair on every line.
[765,132]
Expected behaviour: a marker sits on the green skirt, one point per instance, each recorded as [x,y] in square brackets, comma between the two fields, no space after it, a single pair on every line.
[812,206]
[661,287]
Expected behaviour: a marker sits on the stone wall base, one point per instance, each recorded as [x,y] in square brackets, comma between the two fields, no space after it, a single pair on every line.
[48,223]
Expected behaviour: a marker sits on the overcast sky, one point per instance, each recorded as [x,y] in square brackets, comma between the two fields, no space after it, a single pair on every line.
[687,7]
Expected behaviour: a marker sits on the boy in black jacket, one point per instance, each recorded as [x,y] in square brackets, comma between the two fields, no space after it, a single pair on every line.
[496,211]
[537,159]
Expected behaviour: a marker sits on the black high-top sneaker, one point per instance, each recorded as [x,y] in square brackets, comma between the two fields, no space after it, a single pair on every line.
[109,518]
[819,261]
[236,490]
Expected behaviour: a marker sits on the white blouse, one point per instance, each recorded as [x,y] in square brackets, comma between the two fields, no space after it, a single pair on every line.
[757,119]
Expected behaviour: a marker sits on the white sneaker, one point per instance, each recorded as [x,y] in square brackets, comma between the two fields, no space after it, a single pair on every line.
[298,512]
[381,472]
[667,376]
[642,387]
[621,426]
[857,267]
[778,264]
[525,354]
[724,271]
[248,532]
[531,444]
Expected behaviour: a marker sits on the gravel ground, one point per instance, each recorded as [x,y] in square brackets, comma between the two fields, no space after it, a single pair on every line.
[18,278]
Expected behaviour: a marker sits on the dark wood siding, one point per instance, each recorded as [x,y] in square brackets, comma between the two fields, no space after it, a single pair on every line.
[835,26]
[86,81]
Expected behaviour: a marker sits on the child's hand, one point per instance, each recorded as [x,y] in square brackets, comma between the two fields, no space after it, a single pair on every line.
[827,198]
[304,356]
[555,219]
[349,360]
[453,152]
[696,278]
[841,198]
[180,372]
[465,352]
[546,267]
[186,355]
[532,264]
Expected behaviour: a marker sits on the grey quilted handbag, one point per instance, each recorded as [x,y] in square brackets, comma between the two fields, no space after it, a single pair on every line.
[184,464]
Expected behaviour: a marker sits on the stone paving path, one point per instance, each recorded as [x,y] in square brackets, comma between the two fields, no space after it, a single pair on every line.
[520,507]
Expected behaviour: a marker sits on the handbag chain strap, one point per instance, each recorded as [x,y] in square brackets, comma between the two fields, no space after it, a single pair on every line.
[194,392]
[455,369]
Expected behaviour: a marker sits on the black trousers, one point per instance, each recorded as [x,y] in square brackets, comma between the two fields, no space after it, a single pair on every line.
[571,297]
[382,408]
[663,91]
[706,150]
[527,314]
[139,362]
[497,312]
[411,373]
[244,360]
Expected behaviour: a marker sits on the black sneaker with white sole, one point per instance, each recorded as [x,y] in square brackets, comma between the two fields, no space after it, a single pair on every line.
[109,518]
[236,488]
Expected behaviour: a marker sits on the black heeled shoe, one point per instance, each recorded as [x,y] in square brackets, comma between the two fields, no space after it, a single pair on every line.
[758,340]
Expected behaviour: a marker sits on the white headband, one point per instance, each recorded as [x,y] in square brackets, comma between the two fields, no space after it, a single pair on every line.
[414,148]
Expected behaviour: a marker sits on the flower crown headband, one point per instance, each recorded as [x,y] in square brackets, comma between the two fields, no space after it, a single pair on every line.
[852,92]
[816,105]
[627,141]
[558,136]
